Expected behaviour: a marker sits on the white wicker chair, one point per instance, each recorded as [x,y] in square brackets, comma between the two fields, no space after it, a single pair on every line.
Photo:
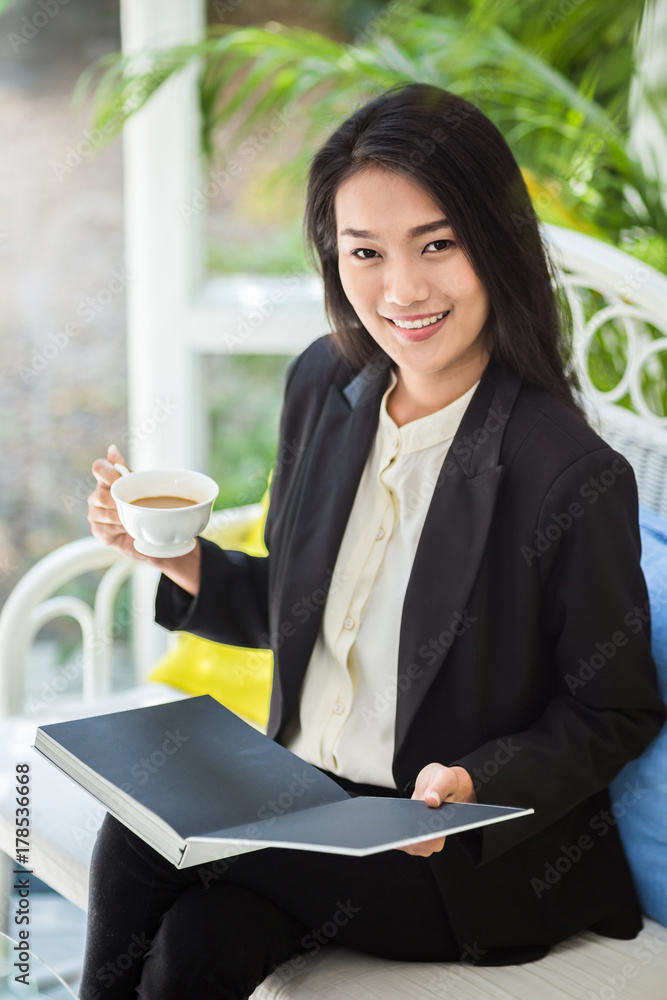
[633,295]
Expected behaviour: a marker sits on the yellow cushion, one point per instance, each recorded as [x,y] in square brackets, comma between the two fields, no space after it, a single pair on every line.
[239,678]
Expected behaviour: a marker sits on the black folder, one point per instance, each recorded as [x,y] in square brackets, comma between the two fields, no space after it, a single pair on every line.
[198,783]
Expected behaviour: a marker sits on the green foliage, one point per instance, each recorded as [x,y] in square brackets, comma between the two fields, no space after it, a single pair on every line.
[555,81]
[279,251]
[242,395]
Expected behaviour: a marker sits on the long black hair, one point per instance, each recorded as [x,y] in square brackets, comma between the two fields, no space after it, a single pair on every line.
[458,156]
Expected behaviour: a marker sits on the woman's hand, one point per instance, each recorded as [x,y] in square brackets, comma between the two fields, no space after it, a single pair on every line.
[105,524]
[436,784]
[102,512]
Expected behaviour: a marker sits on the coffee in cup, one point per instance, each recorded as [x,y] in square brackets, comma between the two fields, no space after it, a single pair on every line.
[164,509]
[163,503]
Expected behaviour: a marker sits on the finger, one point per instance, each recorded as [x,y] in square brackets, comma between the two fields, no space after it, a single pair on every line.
[105,516]
[435,784]
[100,500]
[104,472]
[114,456]
[425,848]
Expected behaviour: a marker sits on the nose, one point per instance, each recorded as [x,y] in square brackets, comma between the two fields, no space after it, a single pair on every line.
[404,283]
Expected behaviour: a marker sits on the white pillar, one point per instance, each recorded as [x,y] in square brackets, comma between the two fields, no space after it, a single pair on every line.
[163,170]
[164,258]
[648,136]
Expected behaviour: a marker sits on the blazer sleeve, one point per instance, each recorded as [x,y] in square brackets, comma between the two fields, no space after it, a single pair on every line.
[232,604]
[606,707]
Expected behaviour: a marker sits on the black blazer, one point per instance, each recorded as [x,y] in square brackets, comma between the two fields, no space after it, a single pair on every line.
[521,657]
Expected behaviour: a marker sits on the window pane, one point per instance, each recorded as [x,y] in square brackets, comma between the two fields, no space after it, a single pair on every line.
[243,393]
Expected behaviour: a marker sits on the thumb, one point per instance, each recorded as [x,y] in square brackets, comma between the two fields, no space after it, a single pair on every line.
[432,796]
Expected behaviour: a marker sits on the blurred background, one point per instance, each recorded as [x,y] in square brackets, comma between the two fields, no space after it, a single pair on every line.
[557,79]
[577,89]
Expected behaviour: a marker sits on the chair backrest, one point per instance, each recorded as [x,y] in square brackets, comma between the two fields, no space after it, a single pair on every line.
[619,307]
[31,605]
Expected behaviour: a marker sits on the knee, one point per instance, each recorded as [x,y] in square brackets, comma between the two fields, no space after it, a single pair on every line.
[214,945]
[195,952]
[117,845]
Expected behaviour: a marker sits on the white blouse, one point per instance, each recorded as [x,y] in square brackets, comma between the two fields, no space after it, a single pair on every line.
[347,706]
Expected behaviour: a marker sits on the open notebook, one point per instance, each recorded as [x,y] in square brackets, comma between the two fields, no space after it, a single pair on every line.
[198,783]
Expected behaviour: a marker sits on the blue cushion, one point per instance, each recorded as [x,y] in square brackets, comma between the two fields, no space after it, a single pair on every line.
[642,814]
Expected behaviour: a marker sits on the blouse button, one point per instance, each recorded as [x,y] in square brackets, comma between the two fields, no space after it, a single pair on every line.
[339,707]
[395,443]
[379,533]
[349,623]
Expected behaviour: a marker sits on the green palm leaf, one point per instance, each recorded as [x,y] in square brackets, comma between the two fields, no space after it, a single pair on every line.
[492,54]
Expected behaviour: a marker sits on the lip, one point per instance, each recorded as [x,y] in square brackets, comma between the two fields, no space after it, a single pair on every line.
[415,336]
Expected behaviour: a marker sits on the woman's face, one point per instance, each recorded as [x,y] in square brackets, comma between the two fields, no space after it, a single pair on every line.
[397,260]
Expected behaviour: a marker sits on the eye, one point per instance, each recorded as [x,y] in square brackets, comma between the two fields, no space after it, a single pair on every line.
[450,243]
[362,250]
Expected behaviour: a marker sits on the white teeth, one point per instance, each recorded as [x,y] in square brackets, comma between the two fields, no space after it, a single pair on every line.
[419,323]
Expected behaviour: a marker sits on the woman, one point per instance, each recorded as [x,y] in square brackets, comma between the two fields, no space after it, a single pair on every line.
[450,544]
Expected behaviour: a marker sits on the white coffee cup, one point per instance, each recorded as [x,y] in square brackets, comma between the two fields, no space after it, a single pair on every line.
[169,531]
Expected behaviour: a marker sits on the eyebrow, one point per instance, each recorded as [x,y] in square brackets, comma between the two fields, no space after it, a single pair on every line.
[428,227]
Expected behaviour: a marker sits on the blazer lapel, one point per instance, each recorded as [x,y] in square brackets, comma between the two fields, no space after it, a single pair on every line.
[454,535]
[337,455]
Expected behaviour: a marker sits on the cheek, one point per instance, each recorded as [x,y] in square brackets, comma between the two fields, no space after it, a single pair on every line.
[354,286]
[468,289]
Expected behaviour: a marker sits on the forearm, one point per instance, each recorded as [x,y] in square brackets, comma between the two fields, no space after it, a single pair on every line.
[231,602]
[183,570]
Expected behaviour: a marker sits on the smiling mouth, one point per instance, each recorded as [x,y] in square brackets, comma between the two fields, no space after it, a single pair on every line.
[418,324]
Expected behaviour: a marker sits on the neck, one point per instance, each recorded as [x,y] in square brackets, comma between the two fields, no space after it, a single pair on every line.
[417,394]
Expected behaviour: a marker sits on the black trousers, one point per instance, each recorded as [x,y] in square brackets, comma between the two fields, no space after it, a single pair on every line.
[214,932]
